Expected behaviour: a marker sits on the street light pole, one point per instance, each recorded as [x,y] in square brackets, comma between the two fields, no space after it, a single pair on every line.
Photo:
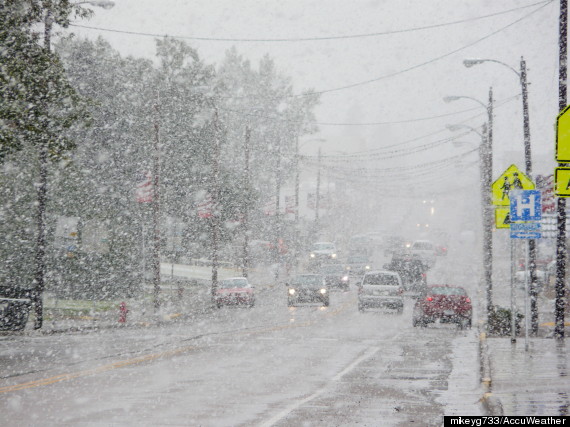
[485,156]
[486,159]
[533,291]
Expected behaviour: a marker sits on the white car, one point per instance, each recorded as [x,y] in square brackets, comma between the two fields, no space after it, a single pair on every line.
[381,289]
[425,251]
[323,251]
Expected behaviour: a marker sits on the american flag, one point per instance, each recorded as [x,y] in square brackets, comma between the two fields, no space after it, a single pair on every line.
[269,207]
[204,206]
[144,188]
[290,204]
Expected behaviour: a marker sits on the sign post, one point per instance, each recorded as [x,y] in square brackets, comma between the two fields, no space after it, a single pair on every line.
[525,206]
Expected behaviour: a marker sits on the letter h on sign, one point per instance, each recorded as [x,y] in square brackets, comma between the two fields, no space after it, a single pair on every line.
[525,205]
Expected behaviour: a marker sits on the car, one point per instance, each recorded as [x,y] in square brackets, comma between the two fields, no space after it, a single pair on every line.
[358,264]
[381,289]
[361,243]
[393,244]
[441,250]
[307,288]
[448,304]
[425,251]
[234,291]
[322,252]
[15,306]
[336,276]
[412,271]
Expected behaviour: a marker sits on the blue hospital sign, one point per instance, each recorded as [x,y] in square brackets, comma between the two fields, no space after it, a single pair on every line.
[525,205]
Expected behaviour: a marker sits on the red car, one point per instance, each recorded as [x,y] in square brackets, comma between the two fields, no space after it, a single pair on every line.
[449,304]
[234,291]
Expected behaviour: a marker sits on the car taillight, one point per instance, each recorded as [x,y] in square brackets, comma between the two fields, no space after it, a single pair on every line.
[429,299]
[467,299]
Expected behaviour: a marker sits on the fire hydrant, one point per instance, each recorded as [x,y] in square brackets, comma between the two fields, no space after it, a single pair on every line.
[123,310]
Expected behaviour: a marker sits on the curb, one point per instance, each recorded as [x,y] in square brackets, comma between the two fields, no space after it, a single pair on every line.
[491,404]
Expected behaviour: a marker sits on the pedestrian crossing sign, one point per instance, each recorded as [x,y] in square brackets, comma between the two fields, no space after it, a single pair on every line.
[502,218]
[562,182]
[563,136]
[510,179]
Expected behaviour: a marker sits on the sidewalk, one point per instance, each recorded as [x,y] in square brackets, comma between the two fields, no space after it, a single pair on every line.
[533,382]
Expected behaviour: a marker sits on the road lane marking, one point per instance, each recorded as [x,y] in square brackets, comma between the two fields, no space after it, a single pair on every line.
[148,357]
[94,371]
[278,417]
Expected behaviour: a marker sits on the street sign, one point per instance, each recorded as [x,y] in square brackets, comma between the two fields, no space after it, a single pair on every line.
[511,179]
[563,136]
[562,181]
[525,231]
[525,205]
[502,218]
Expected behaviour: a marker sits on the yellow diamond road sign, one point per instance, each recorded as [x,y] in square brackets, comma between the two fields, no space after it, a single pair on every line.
[502,219]
[562,182]
[563,136]
[511,179]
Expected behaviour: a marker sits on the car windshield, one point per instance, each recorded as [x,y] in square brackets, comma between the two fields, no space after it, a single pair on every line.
[357,260]
[234,283]
[307,281]
[423,246]
[332,269]
[323,246]
[443,290]
[380,280]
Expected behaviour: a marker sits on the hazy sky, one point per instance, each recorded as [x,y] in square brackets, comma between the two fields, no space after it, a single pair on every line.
[403,90]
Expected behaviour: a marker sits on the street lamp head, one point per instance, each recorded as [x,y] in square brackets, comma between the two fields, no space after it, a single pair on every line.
[105,4]
[453,128]
[470,62]
[450,98]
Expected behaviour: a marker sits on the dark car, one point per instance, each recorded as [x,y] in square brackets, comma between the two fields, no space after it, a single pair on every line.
[307,288]
[358,264]
[411,269]
[15,306]
[448,304]
[336,276]
[234,291]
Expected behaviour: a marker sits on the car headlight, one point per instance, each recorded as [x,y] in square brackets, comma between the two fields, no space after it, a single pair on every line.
[345,278]
[348,268]
[323,291]
[367,267]
[312,255]
[333,256]
[291,291]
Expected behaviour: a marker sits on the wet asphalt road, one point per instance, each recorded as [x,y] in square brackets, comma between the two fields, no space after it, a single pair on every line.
[270,365]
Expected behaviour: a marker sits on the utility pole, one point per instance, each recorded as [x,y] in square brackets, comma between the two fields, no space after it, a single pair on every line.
[487,219]
[561,256]
[245,213]
[215,202]
[317,201]
[40,267]
[156,208]
[278,225]
[533,291]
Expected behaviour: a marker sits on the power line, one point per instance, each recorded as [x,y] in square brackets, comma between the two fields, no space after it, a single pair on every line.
[431,61]
[387,122]
[303,39]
